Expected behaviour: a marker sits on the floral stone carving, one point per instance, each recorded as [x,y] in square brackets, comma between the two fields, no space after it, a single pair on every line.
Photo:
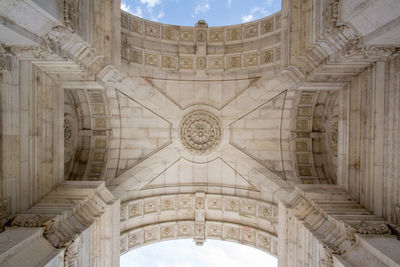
[200,132]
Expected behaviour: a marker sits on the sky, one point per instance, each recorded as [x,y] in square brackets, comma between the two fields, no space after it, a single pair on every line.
[188,12]
[185,253]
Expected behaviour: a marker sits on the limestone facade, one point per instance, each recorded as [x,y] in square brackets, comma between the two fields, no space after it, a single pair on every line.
[281,133]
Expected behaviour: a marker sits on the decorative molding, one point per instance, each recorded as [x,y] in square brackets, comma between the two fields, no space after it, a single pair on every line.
[238,206]
[355,48]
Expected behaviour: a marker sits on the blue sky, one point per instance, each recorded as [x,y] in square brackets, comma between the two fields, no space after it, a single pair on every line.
[184,253]
[188,12]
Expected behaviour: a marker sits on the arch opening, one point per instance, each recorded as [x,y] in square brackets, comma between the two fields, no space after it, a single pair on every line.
[184,252]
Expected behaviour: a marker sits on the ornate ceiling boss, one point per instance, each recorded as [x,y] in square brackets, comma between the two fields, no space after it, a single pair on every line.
[200,132]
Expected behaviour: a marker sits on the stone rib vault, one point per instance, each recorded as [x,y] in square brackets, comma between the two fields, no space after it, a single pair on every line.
[280,133]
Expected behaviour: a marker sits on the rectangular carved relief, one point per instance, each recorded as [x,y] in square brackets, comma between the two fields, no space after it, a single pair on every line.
[152,30]
[169,62]
[170,33]
[267,56]
[267,25]
[136,55]
[215,35]
[187,35]
[152,59]
[136,26]
[234,34]
[215,63]
[251,30]
[234,61]
[186,62]
[250,60]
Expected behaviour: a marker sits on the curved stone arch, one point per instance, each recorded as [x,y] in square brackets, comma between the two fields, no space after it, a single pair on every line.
[217,230]
[199,216]
[263,34]
[93,125]
[313,129]
[72,140]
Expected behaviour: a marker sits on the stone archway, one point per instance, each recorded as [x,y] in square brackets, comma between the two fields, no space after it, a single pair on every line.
[199,216]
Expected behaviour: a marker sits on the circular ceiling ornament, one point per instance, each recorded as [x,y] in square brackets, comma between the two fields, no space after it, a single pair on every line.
[200,132]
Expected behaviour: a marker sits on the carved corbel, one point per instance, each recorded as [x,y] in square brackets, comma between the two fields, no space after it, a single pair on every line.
[356,48]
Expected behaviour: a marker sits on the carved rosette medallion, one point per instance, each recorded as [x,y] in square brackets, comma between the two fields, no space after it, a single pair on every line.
[200,132]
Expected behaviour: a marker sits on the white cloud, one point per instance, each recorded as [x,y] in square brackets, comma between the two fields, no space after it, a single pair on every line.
[212,254]
[259,9]
[202,7]
[159,16]
[229,3]
[138,12]
[247,18]
[127,8]
[150,3]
